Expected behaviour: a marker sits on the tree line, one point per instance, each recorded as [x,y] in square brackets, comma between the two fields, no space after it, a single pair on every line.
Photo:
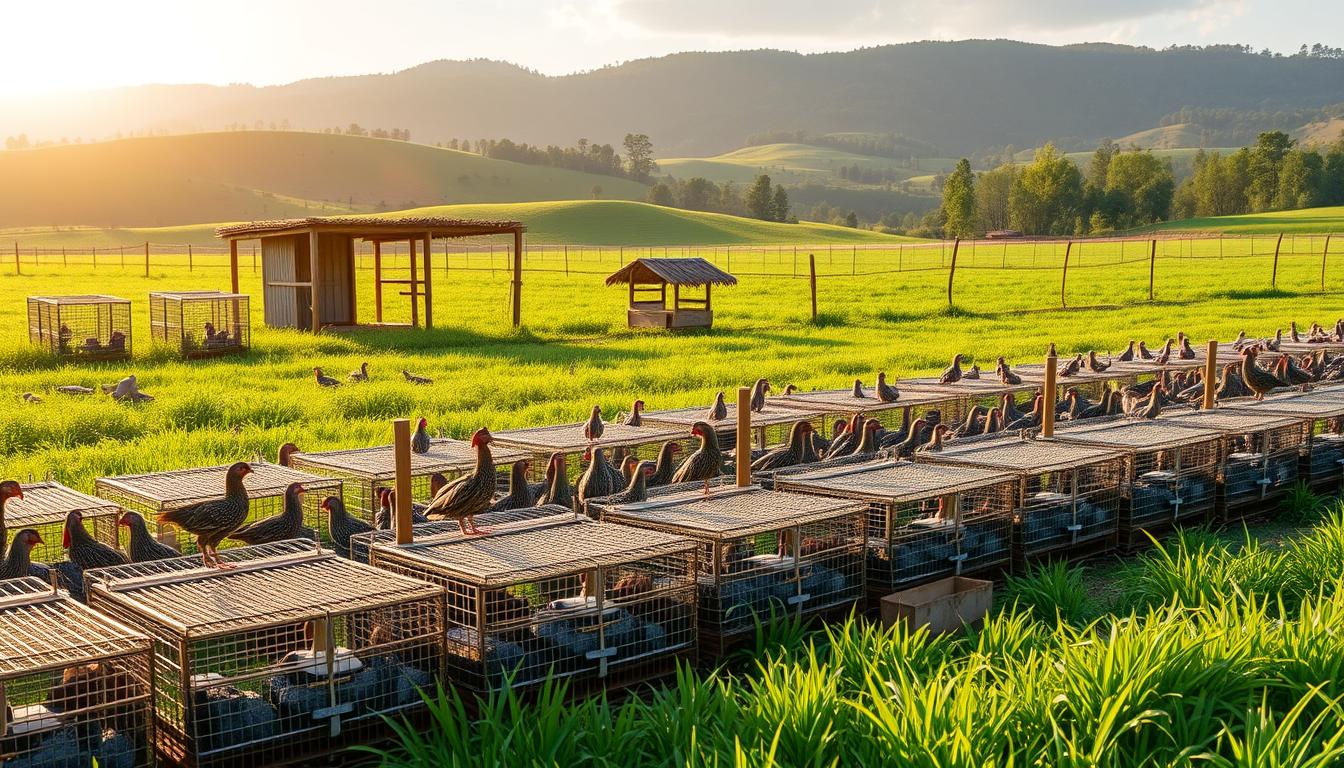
[585,156]
[1272,175]
[761,200]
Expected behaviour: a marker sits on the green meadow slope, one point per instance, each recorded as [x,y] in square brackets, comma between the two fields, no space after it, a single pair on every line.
[1306,220]
[167,180]
[791,164]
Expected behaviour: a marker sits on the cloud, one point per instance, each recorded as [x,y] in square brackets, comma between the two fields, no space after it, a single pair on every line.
[904,19]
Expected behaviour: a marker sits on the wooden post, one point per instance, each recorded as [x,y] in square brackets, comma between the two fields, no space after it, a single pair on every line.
[17,270]
[1324,253]
[401,452]
[1274,276]
[429,286]
[254,259]
[233,264]
[190,266]
[94,252]
[812,279]
[517,277]
[415,277]
[952,271]
[147,257]
[378,280]
[1211,375]
[1152,266]
[314,305]
[743,436]
[1048,412]
[1064,278]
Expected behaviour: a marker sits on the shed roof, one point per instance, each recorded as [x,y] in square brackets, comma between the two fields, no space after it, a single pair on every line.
[679,271]
[370,227]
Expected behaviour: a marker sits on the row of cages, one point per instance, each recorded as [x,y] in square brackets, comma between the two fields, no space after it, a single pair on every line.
[98,327]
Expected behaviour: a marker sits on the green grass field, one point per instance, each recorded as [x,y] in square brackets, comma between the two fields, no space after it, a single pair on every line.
[791,164]
[1306,220]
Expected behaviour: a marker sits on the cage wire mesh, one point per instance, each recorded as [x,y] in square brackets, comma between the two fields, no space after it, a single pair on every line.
[924,521]
[960,397]
[643,443]
[364,471]
[201,323]
[157,492]
[1322,422]
[444,530]
[763,555]
[75,686]
[602,605]
[840,405]
[44,507]
[293,654]
[1068,495]
[1170,474]
[769,426]
[1259,455]
[91,327]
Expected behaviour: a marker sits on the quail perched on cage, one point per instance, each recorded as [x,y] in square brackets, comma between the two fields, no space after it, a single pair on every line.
[143,547]
[420,441]
[594,426]
[719,410]
[797,450]
[1257,379]
[1184,350]
[286,525]
[1164,356]
[758,392]
[637,489]
[666,464]
[886,393]
[520,491]
[857,392]
[635,417]
[844,443]
[598,478]
[86,551]
[211,521]
[19,562]
[341,525]
[952,374]
[1128,354]
[471,494]
[706,462]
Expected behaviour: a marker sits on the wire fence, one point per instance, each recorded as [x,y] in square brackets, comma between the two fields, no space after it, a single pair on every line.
[788,261]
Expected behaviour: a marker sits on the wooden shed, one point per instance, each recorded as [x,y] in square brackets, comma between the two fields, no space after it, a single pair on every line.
[309,271]
[648,279]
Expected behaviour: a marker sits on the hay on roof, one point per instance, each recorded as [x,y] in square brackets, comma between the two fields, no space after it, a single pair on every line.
[678,271]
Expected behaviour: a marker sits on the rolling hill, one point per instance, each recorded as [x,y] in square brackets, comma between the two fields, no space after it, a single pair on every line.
[793,164]
[167,180]
[572,222]
[1304,221]
[959,96]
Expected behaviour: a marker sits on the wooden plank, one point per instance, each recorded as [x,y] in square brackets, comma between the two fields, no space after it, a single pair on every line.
[517,277]
[233,264]
[378,280]
[429,285]
[313,274]
[743,437]
[415,306]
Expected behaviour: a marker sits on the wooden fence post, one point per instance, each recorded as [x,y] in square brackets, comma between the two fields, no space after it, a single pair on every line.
[66,262]
[1048,409]
[191,267]
[17,270]
[743,437]
[1211,375]
[1274,276]
[952,271]
[1324,253]
[1064,278]
[147,257]
[94,251]
[812,279]
[401,453]
[1152,266]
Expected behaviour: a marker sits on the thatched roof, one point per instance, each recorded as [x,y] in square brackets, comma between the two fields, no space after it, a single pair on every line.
[371,227]
[681,271]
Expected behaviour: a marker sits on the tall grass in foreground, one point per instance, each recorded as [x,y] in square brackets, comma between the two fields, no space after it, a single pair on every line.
[1226,654]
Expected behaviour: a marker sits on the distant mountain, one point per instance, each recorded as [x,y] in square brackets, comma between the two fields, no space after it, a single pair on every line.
[958,96]
[165,180]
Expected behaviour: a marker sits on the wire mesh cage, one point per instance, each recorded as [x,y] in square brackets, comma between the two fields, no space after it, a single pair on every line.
[364,471]
[292,654]
[603,606]
[361,544]
[201,323]
[1068,495]
[1090,384]
[763,555]
[1171,471]
[157,492]
[1259,456]
[769,426]
[841,404]
[963,395]
[90,327]
[75,686]
[44,507]
[925,521]
[1322,422]
[643,442]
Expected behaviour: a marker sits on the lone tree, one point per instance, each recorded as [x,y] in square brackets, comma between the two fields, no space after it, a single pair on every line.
[760,199]
[959,200]
[639,156]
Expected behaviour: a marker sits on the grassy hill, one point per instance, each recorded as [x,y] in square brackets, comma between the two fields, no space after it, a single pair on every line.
[1306,220]
[574,222]
[167,180]
[792,164]
[1175,136]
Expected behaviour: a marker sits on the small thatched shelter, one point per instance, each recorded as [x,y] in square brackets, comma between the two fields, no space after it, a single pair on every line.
[299,254]
[652,276]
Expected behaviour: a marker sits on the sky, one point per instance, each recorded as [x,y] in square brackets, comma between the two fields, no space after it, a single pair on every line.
[63,45]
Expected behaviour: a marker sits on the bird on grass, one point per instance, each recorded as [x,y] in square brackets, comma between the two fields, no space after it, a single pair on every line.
[29,397]
[886,393]
[19,561]
[286,525]
[142,546]
[414,379]
[341,525]
[719,410]
[1257,379]
[706,462]
[634,418]
[796,451]
[471,494]
[212,521]
[952,374]
[758,392]
[361,375]
[420,441]
[593,427]
[324,380]
[74,389]
[666,465]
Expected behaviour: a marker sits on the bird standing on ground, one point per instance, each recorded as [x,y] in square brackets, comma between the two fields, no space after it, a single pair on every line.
[286,525]
[341,525]
[952,374]
[323,380]
[420,441]
[719,410]
[211,521]
[19,561]
[634,419]
[471,494]
[141,545]
[362,374]
[414,379]
[885,392]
